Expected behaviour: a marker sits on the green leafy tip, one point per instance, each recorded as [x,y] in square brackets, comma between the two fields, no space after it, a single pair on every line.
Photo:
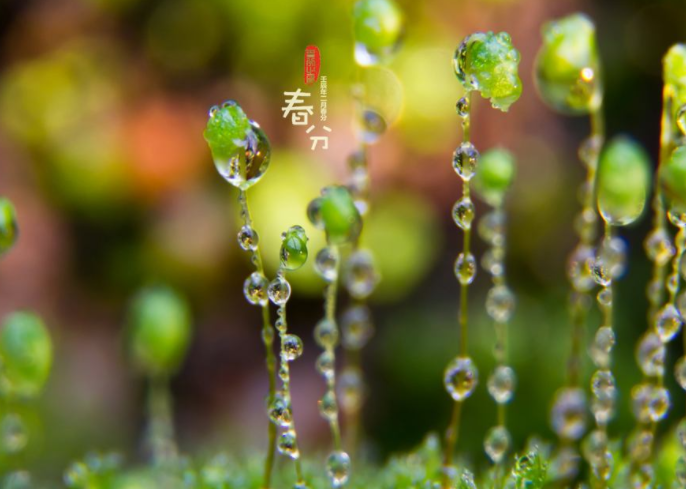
[494,175]
[159,331]
[488,63]
[674,73]
[378,27]
[623,181]
[26,354]
[240,148]
[530,471]
[567,68]
[8,225]
[293,248]
[335,212]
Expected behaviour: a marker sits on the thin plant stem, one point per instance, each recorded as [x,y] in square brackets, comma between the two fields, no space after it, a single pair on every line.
[161,429]
[268,339]
[452,433]
[588,216]
[286,379]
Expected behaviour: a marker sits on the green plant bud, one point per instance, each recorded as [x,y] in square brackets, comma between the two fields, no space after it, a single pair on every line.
[294,248]
[567,67]
[674,73]
[159,330]
[240,148]
[378,27]
[489,63]
[673,178]
[336,213]
[623,181]
[26,355]
[494,175]
[8,225]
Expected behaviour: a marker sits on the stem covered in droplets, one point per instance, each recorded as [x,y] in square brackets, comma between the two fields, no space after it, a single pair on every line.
[267,338]
[452,433]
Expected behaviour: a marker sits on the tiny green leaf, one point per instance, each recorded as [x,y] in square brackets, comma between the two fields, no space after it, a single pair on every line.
[337,214]
[240,149]
[26,355]
[567,67]
[494,175]
[623,181]
[488,63]
[294,248]
[159,330]
[378,27]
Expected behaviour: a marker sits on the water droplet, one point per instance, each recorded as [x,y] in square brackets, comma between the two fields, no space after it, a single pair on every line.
[667,323]
[77,475]
[605,297]
[579,268]
[492,262]
[677,217]
[680,470]
[326,264]
[601,272]
[248,238]
[352,389]
[461,377]
[681,433]
[360,276]
[279,291]
[357,327]
[589,150]
[497,443]
[595,446]
[293,251]
[566,463]
[465,268]
[603,343]
[463,213]
[500,303]
[326,333]
[650,355]
[328,407]
[255,289]
[462,107]
[603,410]
[641,445]
[568,415]
[465,159]
[603,385]
[659,247]
[658,403]
[288,444]
[373,125]
[314,213]
[325,364]
[338,468]
[280,411]
[639,401]
[501,384]
[13,434]
[492,227]
[247,166]
[292,347]
[378,26]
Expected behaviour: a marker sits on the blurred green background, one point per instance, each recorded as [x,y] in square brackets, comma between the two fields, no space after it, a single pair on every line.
[102,107]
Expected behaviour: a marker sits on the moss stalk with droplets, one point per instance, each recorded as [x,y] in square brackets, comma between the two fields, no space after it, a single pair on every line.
[487,63]
[373,47]
[241,154]
[494,176]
